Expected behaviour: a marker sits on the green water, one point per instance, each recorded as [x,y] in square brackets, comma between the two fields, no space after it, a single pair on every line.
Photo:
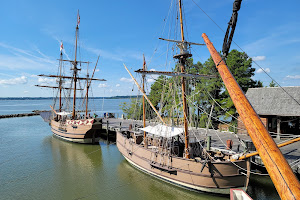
[35,165]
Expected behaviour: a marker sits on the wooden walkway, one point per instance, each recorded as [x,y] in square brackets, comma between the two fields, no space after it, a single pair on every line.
[218,139]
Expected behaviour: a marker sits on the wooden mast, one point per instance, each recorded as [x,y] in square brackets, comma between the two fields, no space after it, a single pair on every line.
[75,67]
[182,59]
[60,80]
[285,181]
[87,91]
[144,110]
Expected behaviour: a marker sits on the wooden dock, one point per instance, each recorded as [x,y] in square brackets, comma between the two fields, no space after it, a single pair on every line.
[218,139]
[19,115]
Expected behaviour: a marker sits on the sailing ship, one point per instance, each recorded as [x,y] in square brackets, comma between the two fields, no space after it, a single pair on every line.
[172,154]
[76,125]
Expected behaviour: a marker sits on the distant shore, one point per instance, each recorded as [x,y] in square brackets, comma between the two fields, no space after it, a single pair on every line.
[45,98]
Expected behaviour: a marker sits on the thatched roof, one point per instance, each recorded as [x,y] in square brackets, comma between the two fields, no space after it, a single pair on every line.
[274,101]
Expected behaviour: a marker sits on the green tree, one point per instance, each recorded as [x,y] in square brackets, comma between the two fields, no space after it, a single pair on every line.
[241,68]
[273,84]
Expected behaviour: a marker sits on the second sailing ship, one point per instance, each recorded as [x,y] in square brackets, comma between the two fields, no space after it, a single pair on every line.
[67,122]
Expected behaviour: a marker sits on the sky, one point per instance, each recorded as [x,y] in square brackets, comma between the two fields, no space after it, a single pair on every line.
[122,31]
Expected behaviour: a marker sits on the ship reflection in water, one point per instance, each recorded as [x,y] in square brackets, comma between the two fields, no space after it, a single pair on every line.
[75,156]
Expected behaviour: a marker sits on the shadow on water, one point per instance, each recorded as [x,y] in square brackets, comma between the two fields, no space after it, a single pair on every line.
[147,187]
[261,188]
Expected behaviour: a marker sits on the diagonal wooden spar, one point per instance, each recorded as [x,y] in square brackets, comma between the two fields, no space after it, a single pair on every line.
[279,145]
[145,96]
[285,181]
[176,74]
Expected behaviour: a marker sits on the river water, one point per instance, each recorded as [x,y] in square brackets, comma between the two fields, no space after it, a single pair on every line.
[35,165]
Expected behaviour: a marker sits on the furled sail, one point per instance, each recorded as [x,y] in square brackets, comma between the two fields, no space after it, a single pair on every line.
[163,131]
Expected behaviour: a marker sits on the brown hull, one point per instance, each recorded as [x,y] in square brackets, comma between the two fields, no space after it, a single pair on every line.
[216,177]
[80,131]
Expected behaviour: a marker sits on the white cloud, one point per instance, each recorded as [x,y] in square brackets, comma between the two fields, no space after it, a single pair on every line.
[126,79]
[150,80]
[102,85]
[14,81]
[16,58]
[261,70]
[46,80]
[118,85]
[26,92]
[97,70]
[293,77]
[259,58]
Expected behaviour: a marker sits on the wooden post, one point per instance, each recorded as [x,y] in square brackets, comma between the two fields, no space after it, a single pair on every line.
[278,128]
[107,129]
[284,179]
[208,142]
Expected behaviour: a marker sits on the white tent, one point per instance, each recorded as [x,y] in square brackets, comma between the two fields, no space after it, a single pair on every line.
[163,131]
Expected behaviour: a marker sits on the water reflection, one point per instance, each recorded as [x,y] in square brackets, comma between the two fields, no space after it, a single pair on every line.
[147,187]
[75,155]
[262,187]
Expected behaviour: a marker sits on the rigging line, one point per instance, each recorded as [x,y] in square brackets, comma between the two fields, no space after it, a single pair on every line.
[221,106]
[164,26]
[247,54]
[185,24]
[214,101]
[220,137]
[247,170]
[202,109]
[199,141]
[214,130]
[294,163]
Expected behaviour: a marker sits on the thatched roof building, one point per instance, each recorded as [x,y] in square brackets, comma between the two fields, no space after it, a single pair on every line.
[275,101]
[279,112]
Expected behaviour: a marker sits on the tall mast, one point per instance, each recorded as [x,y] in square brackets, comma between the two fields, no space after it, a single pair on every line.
[144,110]
[75,66]
[87,91]
[181,21]
[182,58]
[60,80]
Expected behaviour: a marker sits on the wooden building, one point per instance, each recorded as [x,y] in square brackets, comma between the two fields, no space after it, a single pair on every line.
[279,112]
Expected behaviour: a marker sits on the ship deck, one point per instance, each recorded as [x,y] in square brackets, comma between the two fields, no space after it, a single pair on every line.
[218,139]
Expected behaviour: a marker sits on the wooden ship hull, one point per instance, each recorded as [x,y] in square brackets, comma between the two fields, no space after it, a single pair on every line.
[198,175]
[85,131]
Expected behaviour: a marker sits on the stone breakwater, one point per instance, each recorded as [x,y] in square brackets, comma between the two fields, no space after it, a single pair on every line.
[33,113]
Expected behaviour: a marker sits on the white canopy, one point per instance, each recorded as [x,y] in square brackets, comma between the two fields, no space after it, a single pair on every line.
[163,131]
[63,113]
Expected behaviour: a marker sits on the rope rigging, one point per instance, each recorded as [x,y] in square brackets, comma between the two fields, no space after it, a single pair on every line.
[231,28]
